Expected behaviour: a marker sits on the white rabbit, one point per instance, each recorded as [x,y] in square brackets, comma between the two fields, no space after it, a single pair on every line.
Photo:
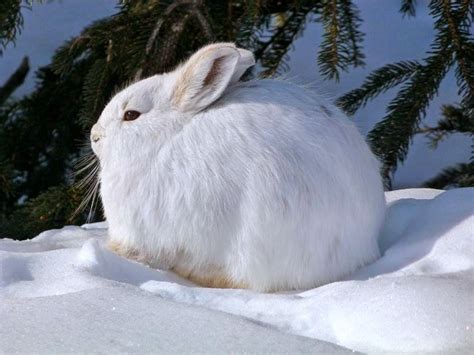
[258,184]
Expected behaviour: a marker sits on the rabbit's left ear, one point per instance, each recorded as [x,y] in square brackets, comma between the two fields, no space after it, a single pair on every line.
[206,75]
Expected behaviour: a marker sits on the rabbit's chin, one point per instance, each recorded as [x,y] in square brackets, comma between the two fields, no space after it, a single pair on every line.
[97,137]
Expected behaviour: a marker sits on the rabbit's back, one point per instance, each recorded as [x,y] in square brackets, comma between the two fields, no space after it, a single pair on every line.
[261,184]
[288,194]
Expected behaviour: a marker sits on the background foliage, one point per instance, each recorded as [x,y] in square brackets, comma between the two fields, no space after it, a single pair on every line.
[44,135]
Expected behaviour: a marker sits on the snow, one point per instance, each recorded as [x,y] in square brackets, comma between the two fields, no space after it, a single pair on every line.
[63,291]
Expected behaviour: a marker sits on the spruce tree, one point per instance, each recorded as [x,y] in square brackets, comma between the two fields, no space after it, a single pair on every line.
[44,135]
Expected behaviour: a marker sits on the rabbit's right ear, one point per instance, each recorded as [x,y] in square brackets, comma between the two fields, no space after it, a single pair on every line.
[205,76]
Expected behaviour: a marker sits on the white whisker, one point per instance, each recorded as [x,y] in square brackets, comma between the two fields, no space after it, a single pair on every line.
[86,176]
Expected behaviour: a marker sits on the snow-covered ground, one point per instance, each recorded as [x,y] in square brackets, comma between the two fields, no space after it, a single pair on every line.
[63,291]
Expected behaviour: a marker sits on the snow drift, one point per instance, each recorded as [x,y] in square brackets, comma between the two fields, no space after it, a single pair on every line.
[63,291]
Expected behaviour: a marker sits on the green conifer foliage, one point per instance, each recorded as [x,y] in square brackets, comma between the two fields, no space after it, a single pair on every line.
[341,45]
[453,46]
[44,135]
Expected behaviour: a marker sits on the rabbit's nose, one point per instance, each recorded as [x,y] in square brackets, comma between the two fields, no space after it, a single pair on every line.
[97,133]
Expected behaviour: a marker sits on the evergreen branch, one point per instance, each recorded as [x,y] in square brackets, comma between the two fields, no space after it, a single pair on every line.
[193,8]
[455,120]
[11,21]
[408,8]
[39,133]
[156,30]
[66,55]
[390,138]
[461,175]
[167,54]
[453,21]
[96,38]
[467,6]
[251,30]
[93,95]
[342,37]
[329,59]
[15,80]
[377,83]
[271,53]
[258,19]
[52,209]
[203,20]
[351,20]
[6,180]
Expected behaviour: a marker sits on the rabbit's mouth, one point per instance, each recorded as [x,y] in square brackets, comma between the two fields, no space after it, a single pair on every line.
[97,134]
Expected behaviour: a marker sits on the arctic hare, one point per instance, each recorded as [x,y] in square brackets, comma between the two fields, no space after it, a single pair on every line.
[259,184]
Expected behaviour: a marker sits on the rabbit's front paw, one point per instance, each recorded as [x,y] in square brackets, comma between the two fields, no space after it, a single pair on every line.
[213,278]
[122,250]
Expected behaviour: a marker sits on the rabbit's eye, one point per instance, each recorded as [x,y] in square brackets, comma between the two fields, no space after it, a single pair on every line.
[131,115]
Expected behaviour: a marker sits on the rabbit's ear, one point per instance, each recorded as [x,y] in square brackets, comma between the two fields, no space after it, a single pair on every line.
[205,76]
[246,60]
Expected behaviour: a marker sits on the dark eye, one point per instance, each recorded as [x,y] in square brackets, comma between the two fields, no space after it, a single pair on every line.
[131,115]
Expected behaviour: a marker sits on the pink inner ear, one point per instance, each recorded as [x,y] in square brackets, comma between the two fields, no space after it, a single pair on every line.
[214,72]
[204,77]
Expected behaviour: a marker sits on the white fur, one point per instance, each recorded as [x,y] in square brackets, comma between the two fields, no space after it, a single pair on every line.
[269,184]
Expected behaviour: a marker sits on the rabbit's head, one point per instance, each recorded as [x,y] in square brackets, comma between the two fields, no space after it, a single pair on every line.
[145,115]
